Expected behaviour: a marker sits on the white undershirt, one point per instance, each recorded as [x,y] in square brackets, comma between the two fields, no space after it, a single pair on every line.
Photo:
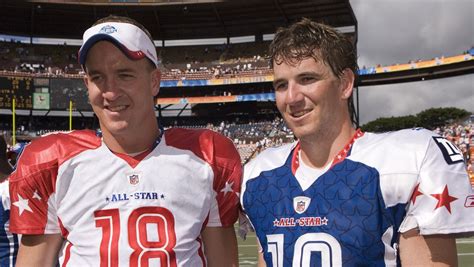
[136,153]
[306,175]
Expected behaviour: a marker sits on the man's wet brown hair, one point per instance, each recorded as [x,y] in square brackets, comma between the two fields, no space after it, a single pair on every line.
[309,39]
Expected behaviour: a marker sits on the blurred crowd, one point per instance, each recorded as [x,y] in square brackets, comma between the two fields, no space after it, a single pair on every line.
[199,62]
[178,63]
[462,135]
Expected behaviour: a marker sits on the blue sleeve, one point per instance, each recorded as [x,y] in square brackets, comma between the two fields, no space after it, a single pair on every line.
[8,241]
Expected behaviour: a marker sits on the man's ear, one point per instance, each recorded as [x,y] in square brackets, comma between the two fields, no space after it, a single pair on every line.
[347,83]
[86,80]
[155,81]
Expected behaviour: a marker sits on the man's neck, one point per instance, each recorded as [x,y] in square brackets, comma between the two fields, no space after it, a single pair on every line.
[132,141]
[320,150]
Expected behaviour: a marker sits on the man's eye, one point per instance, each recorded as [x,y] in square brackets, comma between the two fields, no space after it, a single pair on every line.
[307,79]
[279,86]
[95,78]
[126,76]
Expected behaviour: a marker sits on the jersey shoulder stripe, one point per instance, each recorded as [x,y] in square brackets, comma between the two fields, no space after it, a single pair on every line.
[206,144]
[53,150]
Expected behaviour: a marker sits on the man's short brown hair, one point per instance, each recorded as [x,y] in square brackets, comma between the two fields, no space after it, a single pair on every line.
[309,39]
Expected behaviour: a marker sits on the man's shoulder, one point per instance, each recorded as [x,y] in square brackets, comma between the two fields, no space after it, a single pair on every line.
[177,132]
[402,138]
[269,159]
[413,134]
[394,152]
[65,141]
[53,149]
[277,151]
[184,137]
[205,143]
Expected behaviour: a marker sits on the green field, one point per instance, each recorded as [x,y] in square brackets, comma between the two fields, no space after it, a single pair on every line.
[465,252]
[248,251]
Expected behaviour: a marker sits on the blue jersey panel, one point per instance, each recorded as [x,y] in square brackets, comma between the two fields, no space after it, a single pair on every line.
[340,219]
[8,241]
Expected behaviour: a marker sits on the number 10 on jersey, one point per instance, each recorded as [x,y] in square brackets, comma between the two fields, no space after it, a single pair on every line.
[306,244]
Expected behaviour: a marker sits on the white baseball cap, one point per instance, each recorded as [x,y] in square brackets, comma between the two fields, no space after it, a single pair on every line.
[132,40]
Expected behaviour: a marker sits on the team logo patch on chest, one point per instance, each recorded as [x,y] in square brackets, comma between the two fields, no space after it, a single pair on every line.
[301,204]
[133,178]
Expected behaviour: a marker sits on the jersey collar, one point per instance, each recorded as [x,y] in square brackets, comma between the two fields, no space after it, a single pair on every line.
[134,160]
[295,161]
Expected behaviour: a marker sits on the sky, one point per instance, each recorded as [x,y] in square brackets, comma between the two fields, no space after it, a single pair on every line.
[396,31]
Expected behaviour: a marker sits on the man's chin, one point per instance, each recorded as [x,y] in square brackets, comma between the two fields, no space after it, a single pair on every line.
[305,133]
[116,128]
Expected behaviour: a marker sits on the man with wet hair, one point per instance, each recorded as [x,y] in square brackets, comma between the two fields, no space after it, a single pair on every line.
[341,197]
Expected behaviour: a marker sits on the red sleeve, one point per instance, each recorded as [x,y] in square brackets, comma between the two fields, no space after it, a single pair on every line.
[227,179]
[33,181]
[220,153]
[29,200]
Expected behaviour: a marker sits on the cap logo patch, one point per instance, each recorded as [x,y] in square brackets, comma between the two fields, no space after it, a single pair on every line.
[108,29]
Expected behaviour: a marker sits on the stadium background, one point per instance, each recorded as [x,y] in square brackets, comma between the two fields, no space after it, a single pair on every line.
[223,83]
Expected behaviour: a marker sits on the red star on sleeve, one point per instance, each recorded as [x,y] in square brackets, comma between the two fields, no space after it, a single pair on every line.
[415,194]
[444,199]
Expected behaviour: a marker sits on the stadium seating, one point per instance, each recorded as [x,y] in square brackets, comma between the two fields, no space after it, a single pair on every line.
[202,62]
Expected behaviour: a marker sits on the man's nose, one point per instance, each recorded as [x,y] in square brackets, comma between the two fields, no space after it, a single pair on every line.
[294,93]
[111,90]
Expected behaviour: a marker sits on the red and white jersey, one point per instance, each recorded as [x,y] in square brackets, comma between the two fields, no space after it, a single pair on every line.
[117,210]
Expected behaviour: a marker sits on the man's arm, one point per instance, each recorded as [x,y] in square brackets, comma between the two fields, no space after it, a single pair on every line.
[261,261]
[39,250]
[220,245]
[428,250]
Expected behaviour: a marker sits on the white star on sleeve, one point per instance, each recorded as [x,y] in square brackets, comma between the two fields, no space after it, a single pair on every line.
[227,187]
[22,204]
[35,195]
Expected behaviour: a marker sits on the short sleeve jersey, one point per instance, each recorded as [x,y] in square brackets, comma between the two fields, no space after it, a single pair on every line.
[379,185]
[117,210]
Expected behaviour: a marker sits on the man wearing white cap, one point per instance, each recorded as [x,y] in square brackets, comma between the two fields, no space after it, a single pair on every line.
[137,195]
